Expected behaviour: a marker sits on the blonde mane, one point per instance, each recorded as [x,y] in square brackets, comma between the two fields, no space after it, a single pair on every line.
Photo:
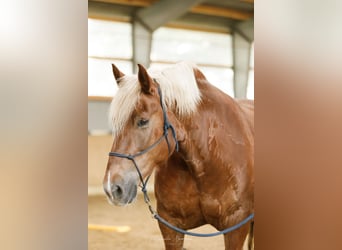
[178,86]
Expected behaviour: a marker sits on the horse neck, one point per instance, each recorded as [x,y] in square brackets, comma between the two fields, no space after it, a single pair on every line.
[212,132]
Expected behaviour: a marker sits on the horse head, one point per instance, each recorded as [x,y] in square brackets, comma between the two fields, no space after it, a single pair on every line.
[141,141]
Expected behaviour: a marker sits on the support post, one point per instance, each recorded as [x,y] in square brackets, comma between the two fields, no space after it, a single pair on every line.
[242,38]
[142,44]
[148,20]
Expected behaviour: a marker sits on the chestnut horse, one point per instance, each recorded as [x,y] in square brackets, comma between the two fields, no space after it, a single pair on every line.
[210,179]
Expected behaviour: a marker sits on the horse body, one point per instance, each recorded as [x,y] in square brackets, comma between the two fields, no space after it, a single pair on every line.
[209,182]
[211,179]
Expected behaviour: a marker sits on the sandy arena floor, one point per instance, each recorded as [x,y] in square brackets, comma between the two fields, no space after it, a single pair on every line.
[144,231]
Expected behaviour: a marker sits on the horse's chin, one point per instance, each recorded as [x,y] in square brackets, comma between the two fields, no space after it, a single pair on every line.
[121,203]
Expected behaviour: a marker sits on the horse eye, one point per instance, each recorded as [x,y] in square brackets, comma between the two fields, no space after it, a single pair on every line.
[142,122]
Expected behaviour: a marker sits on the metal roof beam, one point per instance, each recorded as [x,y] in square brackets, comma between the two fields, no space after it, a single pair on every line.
[159,13]
[241,58]
[245,29]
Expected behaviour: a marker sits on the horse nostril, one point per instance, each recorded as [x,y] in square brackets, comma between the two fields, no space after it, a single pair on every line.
[117,191]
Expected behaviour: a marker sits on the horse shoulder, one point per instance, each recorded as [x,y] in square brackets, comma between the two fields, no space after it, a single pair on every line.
[247,107]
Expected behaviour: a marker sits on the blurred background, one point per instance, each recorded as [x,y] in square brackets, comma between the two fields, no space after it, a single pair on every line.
[44,126]
[217,35]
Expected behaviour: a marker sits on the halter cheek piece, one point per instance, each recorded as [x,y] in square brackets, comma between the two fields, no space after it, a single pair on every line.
[166,127]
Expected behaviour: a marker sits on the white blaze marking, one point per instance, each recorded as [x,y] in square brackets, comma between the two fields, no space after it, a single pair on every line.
[108,184]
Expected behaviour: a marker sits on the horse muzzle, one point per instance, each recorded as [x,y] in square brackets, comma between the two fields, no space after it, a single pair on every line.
[121,192]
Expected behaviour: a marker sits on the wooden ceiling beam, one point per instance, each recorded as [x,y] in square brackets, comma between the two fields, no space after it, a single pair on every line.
[247,1]
[222,12]
[138,3]
[203,9]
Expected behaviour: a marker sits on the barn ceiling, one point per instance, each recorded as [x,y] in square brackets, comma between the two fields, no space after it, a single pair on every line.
[211,15]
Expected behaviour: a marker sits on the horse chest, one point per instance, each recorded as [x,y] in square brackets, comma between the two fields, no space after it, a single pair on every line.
[216,210]
[211,207]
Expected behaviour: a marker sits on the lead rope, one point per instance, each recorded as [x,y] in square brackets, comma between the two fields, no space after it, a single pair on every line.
[147,200]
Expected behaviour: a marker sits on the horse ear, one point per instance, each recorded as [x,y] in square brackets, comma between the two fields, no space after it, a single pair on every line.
[117,74]
[145,80]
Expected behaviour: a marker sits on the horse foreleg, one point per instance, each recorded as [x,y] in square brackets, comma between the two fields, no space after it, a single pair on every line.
[251,237]
[235,239]
[172,239]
